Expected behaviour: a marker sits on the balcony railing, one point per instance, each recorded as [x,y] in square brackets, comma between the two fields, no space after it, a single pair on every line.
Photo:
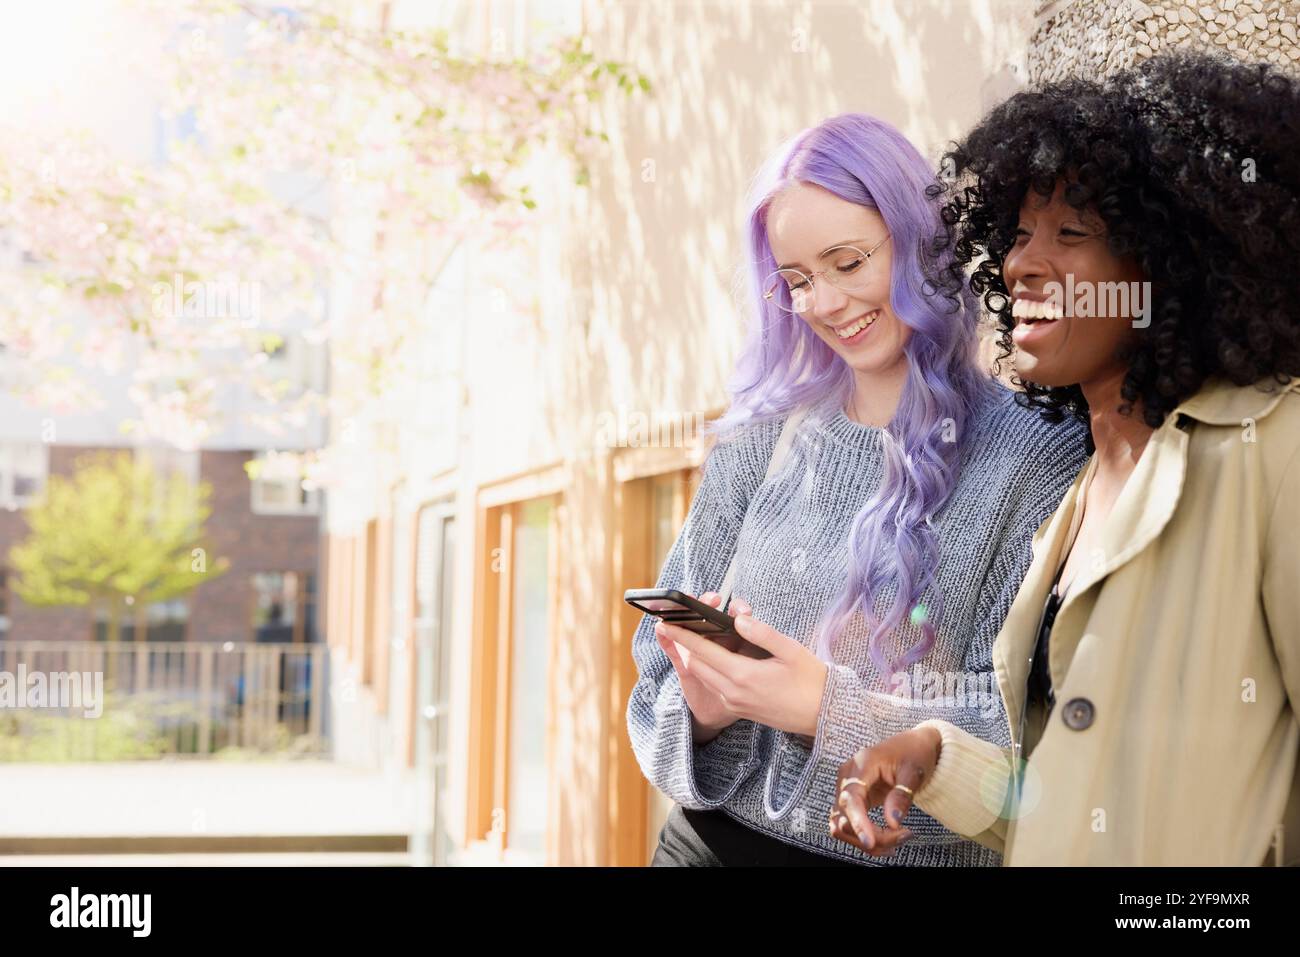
[165,699]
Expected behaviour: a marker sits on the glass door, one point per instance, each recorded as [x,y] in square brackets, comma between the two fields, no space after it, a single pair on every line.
[399,599]
[528,777]
[435,567]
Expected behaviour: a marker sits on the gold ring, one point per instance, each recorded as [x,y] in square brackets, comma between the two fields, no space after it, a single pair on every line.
[849,781]
[905,789]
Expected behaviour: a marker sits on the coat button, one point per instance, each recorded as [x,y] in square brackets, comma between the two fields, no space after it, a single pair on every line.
[1078,714]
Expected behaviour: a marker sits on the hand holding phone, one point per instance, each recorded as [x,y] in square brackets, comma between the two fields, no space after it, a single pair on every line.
[678,608]
[709,713]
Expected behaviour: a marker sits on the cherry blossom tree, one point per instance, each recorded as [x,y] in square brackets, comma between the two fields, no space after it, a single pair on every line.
[283,124]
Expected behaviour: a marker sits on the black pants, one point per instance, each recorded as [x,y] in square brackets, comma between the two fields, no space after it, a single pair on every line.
[712,839]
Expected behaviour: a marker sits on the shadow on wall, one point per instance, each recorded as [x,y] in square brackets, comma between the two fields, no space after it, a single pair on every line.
[658,303]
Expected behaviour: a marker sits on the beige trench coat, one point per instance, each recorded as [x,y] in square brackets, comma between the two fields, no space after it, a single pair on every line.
[1175,658]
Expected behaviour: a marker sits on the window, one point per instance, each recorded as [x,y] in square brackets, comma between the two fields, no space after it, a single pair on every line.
[434,579]
[284,606]
[651,505]
[510,780]
[164,621]
[169,465]
[400,653]
[309,608]
[528,777]
[4,603]
[295,360]
[277,489]
[168,461]
[23,468]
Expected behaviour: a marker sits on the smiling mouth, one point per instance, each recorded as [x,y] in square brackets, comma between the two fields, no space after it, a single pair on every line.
[853,328]
[1029,311]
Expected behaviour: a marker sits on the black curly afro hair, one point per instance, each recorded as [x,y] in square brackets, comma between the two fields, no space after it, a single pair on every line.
[1192,161]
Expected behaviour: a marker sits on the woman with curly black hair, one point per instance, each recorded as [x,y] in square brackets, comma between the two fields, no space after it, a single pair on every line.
[1137,242]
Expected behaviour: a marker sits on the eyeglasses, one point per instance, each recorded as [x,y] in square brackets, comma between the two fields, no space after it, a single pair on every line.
[846,267]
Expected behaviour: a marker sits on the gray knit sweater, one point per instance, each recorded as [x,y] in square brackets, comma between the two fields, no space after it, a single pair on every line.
[790,535]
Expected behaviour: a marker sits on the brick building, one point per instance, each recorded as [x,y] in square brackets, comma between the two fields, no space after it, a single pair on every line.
[266,528]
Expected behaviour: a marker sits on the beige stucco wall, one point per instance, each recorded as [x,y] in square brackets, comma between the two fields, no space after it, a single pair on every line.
[619,297]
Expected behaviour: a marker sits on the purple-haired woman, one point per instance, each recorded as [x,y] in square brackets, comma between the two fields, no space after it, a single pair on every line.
[874,566]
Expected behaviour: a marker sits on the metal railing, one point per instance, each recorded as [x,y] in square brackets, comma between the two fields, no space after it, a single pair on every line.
[168,699]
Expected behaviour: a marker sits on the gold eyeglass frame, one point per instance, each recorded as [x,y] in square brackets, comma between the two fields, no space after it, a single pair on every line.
[770,293]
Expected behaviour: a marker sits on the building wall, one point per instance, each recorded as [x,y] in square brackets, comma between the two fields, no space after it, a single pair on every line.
[220,609]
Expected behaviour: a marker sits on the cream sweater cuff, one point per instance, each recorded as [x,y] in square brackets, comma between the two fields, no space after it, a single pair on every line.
[969,785]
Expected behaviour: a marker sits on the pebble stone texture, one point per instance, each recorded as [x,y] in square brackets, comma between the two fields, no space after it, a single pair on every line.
[1094,38]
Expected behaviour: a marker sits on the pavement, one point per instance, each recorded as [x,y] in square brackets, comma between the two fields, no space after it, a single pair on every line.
[204,813]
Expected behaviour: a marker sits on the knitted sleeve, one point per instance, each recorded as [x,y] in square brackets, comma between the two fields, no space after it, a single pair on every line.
[968,791]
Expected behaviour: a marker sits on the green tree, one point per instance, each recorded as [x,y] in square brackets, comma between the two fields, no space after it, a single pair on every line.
[114,535]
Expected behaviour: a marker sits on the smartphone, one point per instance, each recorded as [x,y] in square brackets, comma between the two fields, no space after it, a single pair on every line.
[682,610]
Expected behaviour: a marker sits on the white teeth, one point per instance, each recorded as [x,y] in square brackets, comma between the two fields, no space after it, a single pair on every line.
[852,330]
[1029,309]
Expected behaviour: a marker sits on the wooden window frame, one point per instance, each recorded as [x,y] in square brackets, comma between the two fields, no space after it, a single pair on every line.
[488,773]
[634,566]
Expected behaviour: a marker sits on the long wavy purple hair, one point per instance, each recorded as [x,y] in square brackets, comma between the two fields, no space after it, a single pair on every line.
[784,364]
